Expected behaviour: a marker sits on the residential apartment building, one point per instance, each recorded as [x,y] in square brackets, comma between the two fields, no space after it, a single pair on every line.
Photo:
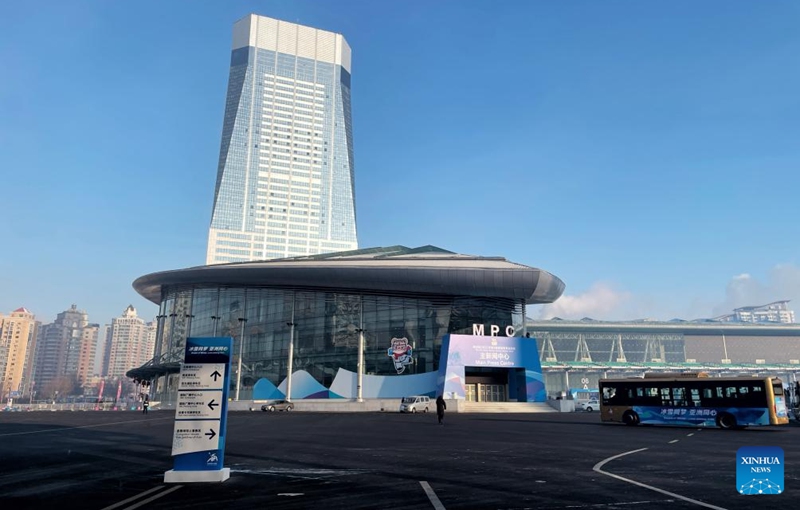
[130,343]
[17,343]
[66,348]
[777,311]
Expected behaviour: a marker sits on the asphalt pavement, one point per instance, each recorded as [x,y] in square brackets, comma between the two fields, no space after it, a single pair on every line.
[117,460]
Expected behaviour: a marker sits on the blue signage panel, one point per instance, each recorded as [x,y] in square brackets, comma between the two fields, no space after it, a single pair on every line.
[521,354]
[198,443]
[759,470]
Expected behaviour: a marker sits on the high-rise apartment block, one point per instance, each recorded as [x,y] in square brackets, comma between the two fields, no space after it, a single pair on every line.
[130,343]
[777,311]
[285,181]
[66,348]
[17,342]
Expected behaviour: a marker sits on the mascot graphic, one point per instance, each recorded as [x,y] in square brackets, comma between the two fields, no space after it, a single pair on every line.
[400,352]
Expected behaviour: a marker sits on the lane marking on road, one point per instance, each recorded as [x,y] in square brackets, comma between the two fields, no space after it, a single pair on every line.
[598,468]
[674,441]
[432,496]
[690,435]
[133,498]
[153,498]
[62,429]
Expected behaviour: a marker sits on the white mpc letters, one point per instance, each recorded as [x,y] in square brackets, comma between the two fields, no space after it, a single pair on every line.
[479,330]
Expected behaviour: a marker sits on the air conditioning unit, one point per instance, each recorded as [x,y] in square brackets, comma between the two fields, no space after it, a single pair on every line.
[760,361]
[551,359]
[656,360]
[622,360]
[691,360]
[794,361]
[586,360]
[726,362]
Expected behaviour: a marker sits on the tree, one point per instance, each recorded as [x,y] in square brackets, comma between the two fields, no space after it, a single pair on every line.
[61,386]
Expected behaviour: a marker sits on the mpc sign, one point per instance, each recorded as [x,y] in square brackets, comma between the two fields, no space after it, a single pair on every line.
[480,330]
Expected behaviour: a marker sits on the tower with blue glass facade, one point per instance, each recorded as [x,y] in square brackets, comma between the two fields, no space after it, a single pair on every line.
[285,181]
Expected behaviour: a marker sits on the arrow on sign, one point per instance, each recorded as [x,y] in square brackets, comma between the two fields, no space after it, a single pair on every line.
[211,434]
[215,375]
[212,405]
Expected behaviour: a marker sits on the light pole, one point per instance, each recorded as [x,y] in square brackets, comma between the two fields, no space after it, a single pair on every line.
[290,361]
[215,319]
[189,318]
[360,380]
[242,322]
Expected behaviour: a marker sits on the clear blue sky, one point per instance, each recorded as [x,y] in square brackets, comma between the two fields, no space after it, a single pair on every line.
[645,152]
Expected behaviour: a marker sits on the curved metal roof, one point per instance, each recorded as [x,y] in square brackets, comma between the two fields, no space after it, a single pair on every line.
[424,270]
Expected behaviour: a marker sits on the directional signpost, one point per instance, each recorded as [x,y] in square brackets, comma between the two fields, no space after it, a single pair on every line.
[198,441]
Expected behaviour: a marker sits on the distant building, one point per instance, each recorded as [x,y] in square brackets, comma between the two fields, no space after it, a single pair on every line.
[576,354]
[103,351]
[130,343]
[66,348]
[285,179]
[777,311]
[17,342]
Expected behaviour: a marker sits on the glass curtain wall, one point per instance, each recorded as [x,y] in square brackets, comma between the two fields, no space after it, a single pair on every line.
[327,326]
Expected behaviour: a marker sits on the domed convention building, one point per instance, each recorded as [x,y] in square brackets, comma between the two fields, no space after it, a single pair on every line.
[398,302]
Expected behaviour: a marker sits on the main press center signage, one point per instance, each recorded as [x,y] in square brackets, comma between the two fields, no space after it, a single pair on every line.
[198,441]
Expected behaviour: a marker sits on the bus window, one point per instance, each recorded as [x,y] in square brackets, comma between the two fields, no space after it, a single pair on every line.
[708,394]
[695,393]
[777,388]
[665,400]
[679,397]
[609,392]
[730,392]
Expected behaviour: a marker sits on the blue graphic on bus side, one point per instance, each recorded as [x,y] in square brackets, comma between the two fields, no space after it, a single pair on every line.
[701,416]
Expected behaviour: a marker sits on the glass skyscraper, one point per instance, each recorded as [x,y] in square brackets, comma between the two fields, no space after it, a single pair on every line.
[285,180]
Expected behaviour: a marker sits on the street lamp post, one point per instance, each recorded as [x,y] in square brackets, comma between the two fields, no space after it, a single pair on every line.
[290,361]
[215,319]
[360,380]
[189,318]
[242,322]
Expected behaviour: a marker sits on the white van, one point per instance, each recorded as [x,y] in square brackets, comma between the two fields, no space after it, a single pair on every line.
[415,404]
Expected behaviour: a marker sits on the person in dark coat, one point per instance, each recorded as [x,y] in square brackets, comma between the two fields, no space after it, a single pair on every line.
[440,407]
[145,405]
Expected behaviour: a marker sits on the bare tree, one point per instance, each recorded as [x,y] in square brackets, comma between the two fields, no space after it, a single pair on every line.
[61,386]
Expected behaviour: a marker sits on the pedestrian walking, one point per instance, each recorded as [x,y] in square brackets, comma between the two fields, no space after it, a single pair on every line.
[145,405]
[440,407]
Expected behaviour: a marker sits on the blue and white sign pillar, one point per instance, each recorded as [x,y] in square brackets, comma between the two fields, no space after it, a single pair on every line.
[198,441]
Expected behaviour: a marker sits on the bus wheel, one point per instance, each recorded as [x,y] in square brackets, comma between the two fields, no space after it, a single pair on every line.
[630,418]
[726,421]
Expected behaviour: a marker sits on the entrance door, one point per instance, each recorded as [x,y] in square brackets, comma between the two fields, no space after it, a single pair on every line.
[493,392]
[471,393]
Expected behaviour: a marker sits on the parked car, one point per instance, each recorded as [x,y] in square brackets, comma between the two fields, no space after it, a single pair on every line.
[278,405]
[417,403]
[590,405]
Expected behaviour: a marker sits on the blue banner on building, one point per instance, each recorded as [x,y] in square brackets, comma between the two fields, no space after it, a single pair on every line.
[198,443]
[518,355]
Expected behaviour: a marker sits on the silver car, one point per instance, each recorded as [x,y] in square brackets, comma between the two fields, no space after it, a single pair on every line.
[278,405]
[592,405]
